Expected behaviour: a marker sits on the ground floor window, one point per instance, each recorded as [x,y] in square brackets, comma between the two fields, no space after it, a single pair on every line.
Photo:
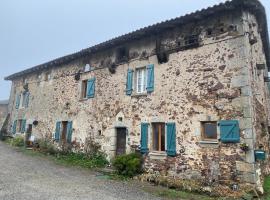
[158,136]
[209,130]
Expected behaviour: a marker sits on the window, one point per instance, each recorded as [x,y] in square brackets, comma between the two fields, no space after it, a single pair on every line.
[84,89]
[158,136]
[63,132]
[209,130]
[48,76]
[141,80]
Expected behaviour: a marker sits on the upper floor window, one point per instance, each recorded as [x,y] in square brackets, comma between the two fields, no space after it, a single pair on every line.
[48,76]
[141,80]
[88,88]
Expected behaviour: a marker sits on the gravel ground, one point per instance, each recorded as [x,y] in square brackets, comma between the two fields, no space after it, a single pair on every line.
[23,177]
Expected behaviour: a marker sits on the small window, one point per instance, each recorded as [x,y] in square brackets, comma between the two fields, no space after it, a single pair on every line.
[141,80]
[48,76]
[158,136]
[87,68]
[209,130]
[84,89]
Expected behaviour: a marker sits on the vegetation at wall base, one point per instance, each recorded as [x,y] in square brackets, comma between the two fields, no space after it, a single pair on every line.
[128,165]
[96,159]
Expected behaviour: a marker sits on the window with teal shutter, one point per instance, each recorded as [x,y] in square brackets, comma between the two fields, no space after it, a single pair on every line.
[150,78]
[18,100]
[171,139]
[91,88]
[229,131]
[69,132]
[27,100]
[23,125]
[144,137]
[129,82]
[14,127]
[57,131]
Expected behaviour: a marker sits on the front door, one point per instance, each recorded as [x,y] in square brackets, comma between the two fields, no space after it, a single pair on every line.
[121,141]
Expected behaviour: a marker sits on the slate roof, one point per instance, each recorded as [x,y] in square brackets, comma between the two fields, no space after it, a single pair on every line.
[4,102]
[253,6]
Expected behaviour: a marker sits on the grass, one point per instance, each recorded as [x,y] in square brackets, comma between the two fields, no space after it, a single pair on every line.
[175,194]
[266,188]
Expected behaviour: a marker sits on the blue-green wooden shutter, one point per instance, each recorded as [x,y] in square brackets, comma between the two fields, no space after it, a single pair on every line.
[171,139]
[57,131]
[129,83]
[69,132]
[144,137]
[14,127]
[150,78]
[27,100]
[91,88]
[229,131]
[18,100]
[23,126]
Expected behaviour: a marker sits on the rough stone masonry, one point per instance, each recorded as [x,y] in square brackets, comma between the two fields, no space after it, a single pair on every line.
[190,93]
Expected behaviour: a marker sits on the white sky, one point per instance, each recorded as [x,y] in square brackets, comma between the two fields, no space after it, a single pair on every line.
[36,31]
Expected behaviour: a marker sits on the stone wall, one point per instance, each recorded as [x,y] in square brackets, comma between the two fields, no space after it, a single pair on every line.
[3,113]
[210,83]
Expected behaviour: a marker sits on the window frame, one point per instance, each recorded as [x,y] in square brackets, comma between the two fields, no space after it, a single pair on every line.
[83,94]
[143,82]
[151,145]
[203,133]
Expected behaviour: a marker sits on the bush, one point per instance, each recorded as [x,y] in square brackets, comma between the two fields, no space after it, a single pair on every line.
[17,141]
[46,146]
[128,165]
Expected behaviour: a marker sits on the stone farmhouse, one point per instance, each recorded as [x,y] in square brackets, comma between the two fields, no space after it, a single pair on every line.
[190,93]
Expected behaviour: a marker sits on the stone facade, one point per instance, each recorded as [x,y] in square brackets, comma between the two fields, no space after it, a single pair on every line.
[221,78]
[3,112]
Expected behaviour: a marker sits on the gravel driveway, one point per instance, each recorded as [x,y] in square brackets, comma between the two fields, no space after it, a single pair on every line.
[23,177]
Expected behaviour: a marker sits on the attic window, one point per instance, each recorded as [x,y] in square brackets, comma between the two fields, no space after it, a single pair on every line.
[209,31]
[122,54]
[192,41]
[87,68]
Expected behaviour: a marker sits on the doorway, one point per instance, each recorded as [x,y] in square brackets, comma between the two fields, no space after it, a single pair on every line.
[121,136]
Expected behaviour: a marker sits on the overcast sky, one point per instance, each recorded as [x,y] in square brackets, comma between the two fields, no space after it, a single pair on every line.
[36,31]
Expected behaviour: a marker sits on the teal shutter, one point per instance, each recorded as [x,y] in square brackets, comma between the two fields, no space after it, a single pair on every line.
[57,131]
[23,126]
[144,137]
[150,78]
[27,100]
[171,139]
[229,131]
[69,132]
[14,127]
[129,82]
[91,88]
[18,99]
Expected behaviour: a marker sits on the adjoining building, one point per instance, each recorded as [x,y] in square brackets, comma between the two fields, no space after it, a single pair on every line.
[3,111]
[190,93]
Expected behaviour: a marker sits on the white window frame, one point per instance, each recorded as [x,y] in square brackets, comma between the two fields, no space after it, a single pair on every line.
[141,82]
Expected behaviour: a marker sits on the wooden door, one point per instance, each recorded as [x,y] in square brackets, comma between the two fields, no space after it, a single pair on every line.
[121,141]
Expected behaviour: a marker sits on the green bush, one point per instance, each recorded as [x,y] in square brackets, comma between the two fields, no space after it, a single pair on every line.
[46,146]
[128,165]
[17,141]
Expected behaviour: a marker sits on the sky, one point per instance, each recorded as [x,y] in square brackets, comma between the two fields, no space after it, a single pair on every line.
[36,31]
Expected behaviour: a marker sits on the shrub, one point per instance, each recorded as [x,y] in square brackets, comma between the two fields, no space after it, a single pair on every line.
[128,165]
[46,146]
[17,141]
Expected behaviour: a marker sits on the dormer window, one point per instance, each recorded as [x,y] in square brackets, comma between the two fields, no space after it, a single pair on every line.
[87,68]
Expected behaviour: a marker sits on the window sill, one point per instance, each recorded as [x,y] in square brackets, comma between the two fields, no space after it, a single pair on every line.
[139,95]
[209,142]
[157,155]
